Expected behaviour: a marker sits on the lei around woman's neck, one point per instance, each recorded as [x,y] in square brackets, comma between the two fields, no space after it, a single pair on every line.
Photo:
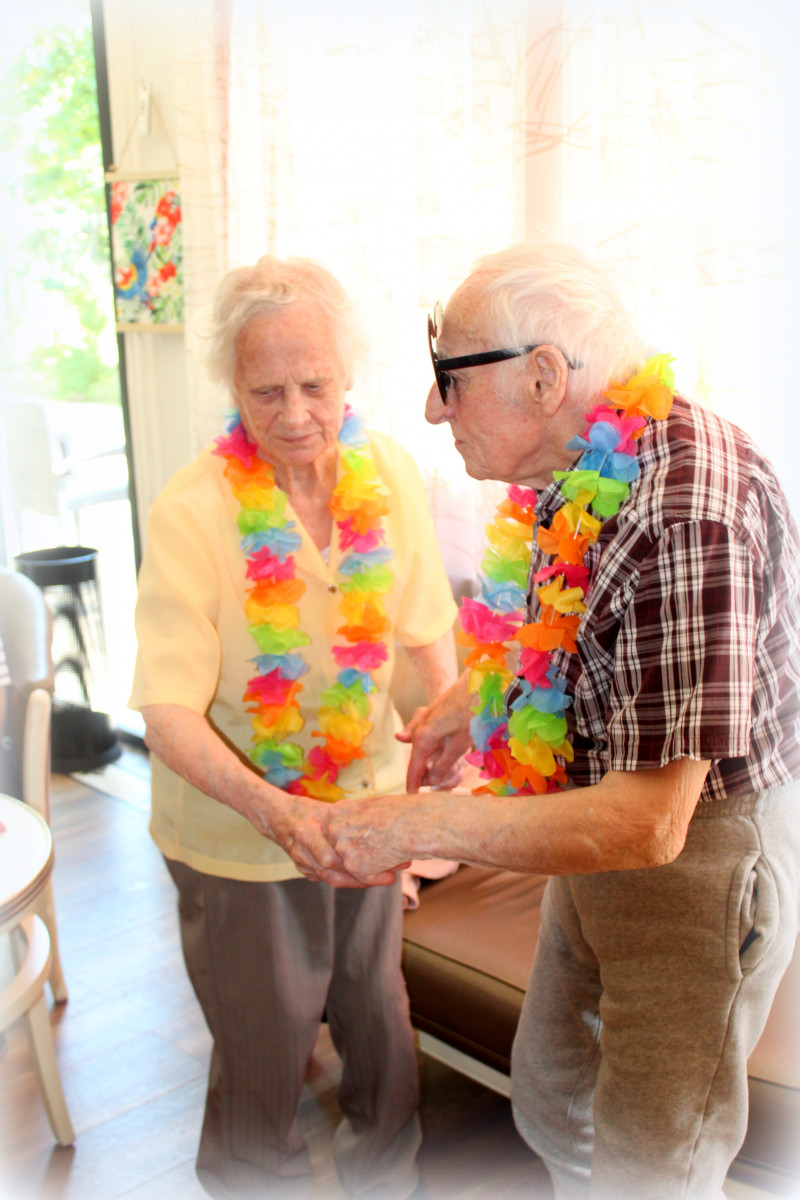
[526,750]
[269,542]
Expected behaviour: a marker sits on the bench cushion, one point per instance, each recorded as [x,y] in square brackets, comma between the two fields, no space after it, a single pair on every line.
[467,954]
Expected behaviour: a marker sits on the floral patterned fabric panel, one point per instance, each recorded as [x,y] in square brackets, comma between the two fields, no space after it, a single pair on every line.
[147,251]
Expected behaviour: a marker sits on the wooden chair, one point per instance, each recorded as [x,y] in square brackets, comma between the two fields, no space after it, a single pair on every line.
[26,860]
[25,633]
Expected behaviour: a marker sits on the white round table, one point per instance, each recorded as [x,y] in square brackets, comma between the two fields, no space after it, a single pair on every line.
[26,859]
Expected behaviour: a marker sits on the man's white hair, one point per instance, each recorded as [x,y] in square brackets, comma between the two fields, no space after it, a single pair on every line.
[271,284]
[548,292]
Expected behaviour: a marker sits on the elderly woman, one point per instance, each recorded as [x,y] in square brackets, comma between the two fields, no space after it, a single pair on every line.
[281,567]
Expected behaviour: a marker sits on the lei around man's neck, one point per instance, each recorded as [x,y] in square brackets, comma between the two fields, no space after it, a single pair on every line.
[526,750]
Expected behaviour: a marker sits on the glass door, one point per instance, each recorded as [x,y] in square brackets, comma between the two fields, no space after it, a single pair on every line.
[63,463]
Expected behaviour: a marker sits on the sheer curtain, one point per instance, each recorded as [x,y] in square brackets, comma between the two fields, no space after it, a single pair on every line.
[395,143]
[679,169]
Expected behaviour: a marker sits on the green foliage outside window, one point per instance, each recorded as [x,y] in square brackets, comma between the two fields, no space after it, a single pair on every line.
[61,318]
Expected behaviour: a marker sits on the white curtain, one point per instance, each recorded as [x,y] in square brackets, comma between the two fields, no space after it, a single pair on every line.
[681,171]
[395,143]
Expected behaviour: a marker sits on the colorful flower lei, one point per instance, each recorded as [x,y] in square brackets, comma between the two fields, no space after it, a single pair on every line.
[269,541]
[518,753]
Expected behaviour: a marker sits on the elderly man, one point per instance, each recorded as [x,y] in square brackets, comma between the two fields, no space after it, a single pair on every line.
[642,749]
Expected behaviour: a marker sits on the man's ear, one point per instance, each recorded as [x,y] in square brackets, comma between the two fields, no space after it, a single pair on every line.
[549,374]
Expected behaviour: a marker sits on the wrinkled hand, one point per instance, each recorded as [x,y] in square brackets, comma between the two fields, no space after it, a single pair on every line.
[299,827]
[366,835]
[439,736]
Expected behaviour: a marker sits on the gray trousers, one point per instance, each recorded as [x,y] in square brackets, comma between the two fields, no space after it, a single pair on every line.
[266,960]
[649,991]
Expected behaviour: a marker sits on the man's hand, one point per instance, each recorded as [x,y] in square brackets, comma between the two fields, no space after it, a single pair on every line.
[366,835]
[439,736]
[299,827]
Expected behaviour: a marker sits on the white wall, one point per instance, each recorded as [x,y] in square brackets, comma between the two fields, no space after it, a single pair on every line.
[140,40]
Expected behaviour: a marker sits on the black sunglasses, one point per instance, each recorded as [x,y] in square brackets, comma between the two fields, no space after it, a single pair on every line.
[442,366]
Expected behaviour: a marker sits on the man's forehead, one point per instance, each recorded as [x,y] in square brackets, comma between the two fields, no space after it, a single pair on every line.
[465,315]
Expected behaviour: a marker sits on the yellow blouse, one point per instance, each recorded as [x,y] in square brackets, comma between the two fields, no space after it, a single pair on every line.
[195,649]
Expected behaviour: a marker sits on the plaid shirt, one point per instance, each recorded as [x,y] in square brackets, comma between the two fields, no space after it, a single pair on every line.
[690,646]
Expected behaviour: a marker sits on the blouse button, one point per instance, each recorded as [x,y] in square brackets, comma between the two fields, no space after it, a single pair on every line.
[331,587]
[365,783]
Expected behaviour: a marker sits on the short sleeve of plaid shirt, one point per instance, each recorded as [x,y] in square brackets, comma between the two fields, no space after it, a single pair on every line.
[690,646]
[684,670]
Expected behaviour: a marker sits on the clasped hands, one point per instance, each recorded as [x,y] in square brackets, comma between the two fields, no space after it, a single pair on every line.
[362,843]
[344,844]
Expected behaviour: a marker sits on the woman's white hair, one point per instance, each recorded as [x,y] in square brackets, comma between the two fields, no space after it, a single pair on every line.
[270,284]
[548,292]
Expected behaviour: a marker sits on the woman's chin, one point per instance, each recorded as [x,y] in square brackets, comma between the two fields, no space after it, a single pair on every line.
[293,451]
[299,454]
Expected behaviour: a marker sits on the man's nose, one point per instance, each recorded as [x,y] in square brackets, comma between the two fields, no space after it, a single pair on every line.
[435,410]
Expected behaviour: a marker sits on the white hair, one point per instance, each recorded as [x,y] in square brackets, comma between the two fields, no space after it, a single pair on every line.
[548,292]
[270,284]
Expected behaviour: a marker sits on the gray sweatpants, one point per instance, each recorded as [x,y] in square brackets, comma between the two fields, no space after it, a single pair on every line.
[648,993]
[265,960]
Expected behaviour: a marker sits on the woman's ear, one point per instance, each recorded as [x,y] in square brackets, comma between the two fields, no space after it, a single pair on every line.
[549,375]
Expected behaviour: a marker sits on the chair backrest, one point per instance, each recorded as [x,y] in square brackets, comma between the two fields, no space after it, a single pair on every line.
[33,483]
[25,633]
[35,754]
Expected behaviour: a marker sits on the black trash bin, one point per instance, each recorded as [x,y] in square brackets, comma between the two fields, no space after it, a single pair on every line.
[82,736]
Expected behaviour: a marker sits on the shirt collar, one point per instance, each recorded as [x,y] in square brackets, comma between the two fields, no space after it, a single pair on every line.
[549,501]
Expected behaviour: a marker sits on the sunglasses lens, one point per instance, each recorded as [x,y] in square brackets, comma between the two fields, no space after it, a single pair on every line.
[443,379]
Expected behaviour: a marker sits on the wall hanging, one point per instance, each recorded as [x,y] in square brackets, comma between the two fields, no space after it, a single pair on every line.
[147,253]
[146,236]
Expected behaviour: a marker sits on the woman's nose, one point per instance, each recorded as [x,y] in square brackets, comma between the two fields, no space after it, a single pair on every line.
[295,408]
